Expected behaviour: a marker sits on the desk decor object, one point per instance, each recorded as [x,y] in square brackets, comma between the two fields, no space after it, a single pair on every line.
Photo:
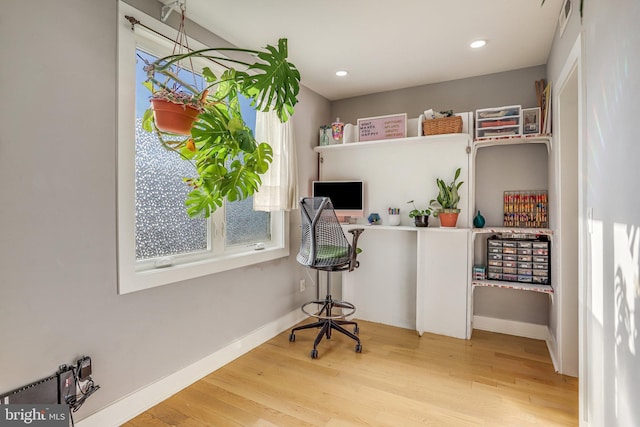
[394,216]
[447,201]
[526,209]
[324,135]
[441,123]
[478,220]
[337,130]
[531,120]
[382,127]
[374,218]
[420,216]
[479,272]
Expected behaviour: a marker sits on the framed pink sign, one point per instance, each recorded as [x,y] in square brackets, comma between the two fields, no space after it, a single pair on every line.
[382,127]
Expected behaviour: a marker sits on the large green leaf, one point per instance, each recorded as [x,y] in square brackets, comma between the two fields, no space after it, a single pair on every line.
[276,82]
[200,203]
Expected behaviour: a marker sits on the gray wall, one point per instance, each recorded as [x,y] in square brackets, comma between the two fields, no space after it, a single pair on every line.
[610,339]
[58,220]
[493,90]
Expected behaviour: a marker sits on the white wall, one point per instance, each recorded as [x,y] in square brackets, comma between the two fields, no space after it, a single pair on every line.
[58,291]
[610,293]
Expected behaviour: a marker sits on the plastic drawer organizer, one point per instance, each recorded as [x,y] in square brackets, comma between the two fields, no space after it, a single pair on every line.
[519,260]
[499,122]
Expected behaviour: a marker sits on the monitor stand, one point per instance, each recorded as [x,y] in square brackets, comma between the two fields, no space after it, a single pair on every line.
[344,219]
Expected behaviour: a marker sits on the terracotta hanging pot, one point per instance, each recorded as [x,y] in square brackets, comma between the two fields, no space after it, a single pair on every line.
[448,219]
[173,118]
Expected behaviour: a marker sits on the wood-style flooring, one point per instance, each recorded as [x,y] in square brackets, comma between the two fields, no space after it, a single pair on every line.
[399,380]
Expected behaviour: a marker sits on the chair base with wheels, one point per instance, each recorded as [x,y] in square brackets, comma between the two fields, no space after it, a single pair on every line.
[325,247]
[328,320]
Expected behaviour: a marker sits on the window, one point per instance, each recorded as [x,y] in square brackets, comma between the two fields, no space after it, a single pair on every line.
[157,242]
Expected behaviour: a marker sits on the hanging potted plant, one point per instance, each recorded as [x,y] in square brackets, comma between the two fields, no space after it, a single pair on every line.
[174,112]
[206,126]
[447,201]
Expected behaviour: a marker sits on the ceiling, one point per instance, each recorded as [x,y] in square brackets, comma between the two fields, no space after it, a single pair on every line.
[387,45]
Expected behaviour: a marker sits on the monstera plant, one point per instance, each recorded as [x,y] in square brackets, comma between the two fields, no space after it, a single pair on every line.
[227,158]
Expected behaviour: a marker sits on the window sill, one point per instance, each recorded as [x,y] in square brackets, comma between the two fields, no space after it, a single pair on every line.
[141,280]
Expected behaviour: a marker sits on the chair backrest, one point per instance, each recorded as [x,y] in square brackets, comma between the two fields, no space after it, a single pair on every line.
[324,244]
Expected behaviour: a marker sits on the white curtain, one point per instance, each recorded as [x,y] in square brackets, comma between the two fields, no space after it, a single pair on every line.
[279,189]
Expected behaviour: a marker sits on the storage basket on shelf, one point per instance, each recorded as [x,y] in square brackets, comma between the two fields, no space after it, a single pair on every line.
[443,125]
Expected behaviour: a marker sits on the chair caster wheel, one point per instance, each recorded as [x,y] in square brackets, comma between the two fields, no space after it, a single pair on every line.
[292,337]
[358,348]
[314,354]
[356,330]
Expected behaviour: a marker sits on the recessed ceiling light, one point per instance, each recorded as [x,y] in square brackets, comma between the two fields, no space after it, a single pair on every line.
[341,73]
[478,43]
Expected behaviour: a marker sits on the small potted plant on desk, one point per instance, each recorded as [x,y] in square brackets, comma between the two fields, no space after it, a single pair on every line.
[419,216]
[447,201]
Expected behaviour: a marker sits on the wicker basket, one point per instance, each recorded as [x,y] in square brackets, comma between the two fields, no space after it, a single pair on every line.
[444,125]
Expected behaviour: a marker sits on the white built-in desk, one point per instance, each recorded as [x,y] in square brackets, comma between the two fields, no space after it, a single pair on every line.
[415,278]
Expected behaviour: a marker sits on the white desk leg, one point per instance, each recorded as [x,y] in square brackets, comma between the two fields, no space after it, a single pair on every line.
[349,289]
[420,284]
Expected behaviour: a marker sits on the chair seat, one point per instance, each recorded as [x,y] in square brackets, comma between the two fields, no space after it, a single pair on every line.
[328,252]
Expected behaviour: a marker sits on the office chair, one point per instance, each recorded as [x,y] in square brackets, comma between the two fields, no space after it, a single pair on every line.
[325,247]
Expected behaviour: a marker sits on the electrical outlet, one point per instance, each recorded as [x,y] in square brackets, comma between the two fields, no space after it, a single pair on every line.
[303,285]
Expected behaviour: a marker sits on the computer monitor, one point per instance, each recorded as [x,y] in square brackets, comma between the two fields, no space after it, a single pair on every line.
[347,197]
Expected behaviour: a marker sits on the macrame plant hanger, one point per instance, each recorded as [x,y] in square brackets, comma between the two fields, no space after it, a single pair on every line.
[181,46]
[177,105]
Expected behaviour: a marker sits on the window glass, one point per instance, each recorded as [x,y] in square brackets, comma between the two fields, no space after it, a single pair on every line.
[162,225]
[244,225]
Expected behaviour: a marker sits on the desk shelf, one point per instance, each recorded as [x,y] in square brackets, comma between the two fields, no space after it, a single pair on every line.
[368,227]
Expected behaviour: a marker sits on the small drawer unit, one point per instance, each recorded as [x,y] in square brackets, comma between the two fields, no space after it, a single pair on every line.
[499,122]
[519,260]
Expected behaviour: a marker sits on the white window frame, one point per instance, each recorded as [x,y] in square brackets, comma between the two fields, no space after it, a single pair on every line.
[139,275]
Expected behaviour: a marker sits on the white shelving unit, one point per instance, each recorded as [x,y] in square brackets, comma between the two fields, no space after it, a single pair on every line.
[492,228]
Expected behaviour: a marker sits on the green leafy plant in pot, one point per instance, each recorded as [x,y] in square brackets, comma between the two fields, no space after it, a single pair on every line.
[227,158]
[420,216]
[447,201]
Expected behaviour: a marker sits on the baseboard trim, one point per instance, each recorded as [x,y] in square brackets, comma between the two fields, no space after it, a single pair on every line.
[552,346]
[136,403]
[511,327]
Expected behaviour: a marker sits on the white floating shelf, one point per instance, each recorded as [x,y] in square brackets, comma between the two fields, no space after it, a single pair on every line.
[389,142]
[532,287]
[513,140]
[513,230]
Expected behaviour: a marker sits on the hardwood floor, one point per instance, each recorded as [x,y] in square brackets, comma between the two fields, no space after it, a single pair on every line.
[399,379]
